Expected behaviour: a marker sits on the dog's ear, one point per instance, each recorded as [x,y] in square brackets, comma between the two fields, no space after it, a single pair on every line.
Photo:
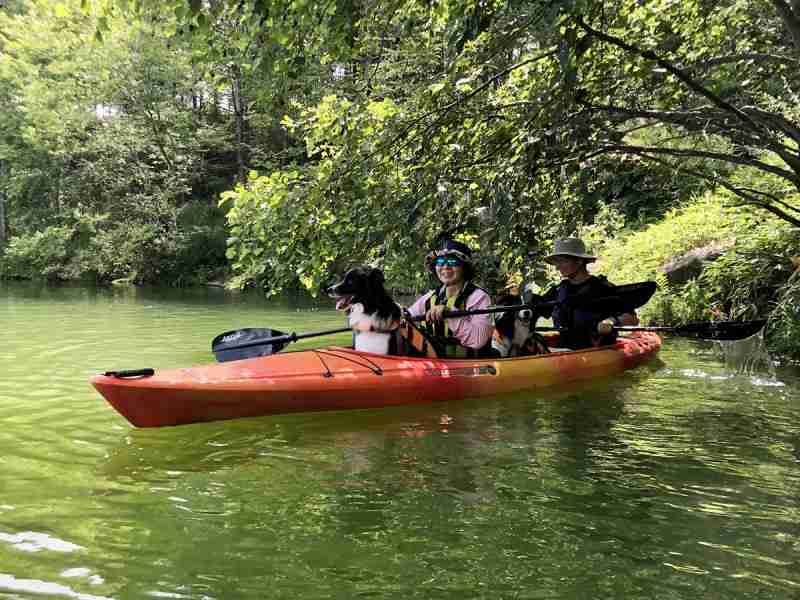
[376,278]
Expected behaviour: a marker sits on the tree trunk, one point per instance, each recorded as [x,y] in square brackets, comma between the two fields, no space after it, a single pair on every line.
[238,116]
[3,227]
[493,280]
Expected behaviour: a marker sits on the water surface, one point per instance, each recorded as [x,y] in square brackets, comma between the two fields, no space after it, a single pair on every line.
[677,480]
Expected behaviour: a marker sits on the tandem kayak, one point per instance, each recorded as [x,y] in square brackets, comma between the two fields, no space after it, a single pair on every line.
[336,378]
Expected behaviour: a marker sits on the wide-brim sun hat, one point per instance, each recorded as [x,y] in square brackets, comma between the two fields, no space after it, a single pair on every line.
[452,248]
[570,247]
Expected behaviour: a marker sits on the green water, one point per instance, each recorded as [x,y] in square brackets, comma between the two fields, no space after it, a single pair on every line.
[680,479]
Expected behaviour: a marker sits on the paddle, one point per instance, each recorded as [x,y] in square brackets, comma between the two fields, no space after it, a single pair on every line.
[702,330]
[251,342]
[254,341]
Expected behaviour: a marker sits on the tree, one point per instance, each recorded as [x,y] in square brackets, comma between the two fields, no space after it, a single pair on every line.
[102,139]
[502,122]
[670,82]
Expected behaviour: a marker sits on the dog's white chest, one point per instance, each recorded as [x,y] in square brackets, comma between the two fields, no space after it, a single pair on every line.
[371,333]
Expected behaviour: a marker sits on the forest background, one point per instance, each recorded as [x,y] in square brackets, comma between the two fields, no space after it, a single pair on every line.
[273,143]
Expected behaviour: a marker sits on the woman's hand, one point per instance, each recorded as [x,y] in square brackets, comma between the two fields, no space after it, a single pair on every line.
[437,313]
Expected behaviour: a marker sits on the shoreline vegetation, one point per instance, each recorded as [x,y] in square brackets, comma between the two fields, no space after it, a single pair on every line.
[217,144]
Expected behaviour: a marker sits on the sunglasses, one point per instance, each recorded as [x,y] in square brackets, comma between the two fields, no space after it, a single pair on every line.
[448,261]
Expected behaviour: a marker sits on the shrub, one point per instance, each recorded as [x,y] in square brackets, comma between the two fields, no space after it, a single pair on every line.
[37,255]
[754,277]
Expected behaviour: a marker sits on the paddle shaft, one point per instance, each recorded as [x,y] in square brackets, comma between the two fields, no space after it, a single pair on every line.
[293,337]
[289,337]
[710,330]
[642,291]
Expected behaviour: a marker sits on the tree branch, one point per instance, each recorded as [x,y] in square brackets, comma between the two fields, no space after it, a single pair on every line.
[681,75]
[708,121]
[446,109]
[760,57]
[741,192]
[729,158]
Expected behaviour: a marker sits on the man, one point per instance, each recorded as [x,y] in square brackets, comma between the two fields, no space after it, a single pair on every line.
[584,328]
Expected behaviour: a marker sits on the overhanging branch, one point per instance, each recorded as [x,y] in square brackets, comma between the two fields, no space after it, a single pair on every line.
[743,193]
[687,152]
[690,82]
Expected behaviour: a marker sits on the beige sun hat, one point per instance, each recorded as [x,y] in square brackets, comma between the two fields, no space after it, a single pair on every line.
[572,247]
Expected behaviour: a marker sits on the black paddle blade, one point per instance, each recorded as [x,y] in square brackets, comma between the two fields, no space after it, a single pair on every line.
[634,295]
[623,298]
[721,330]
[226,345]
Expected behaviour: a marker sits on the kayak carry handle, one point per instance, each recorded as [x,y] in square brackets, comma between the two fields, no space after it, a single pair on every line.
[130,374]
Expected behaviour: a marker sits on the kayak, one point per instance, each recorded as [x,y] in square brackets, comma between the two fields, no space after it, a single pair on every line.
[335,378]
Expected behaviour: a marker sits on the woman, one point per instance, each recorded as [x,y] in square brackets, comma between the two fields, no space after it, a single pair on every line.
[464,337]
[584,328]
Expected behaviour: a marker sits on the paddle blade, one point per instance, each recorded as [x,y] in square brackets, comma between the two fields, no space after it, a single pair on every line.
[634,295]
[721,330]
[622,298]
[222,348]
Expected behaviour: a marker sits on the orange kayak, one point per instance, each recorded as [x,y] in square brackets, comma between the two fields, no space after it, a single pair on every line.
[339,378]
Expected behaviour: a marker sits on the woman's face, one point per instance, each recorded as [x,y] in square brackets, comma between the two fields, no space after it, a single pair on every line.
[568,266]
[449,270]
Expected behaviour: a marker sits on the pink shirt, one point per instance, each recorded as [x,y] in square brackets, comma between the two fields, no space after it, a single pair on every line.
[473,331]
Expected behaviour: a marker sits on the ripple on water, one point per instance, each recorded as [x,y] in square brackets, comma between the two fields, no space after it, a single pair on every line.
[676,480]
[44,588]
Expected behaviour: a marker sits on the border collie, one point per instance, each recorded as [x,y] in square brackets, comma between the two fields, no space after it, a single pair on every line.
[513,330]
[372,313]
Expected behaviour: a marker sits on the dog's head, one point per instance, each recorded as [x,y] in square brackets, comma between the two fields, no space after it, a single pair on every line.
[507,322]
[359,284]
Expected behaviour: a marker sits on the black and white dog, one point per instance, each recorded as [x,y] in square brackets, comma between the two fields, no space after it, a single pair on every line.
[513,330]
[372,313]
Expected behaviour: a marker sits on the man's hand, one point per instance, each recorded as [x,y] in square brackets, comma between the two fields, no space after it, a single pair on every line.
[606,326]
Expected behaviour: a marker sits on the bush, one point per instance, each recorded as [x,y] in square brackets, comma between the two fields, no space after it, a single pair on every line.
[101,249]
[37,255]
[754,277]
[783,332]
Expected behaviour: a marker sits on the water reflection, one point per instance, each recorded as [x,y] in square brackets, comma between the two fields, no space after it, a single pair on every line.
[678,479]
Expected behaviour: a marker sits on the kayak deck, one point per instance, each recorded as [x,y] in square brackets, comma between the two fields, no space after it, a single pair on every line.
[336,378]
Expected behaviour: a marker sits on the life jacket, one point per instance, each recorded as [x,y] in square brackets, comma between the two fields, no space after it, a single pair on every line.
[439,333]
[581,324]
[412,341]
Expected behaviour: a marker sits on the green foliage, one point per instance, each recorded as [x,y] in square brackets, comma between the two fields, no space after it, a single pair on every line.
[41,254]
[371,129]
[784,327]
[640,255]
[754,277]
[101,249]
[608,224]
[119,133]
